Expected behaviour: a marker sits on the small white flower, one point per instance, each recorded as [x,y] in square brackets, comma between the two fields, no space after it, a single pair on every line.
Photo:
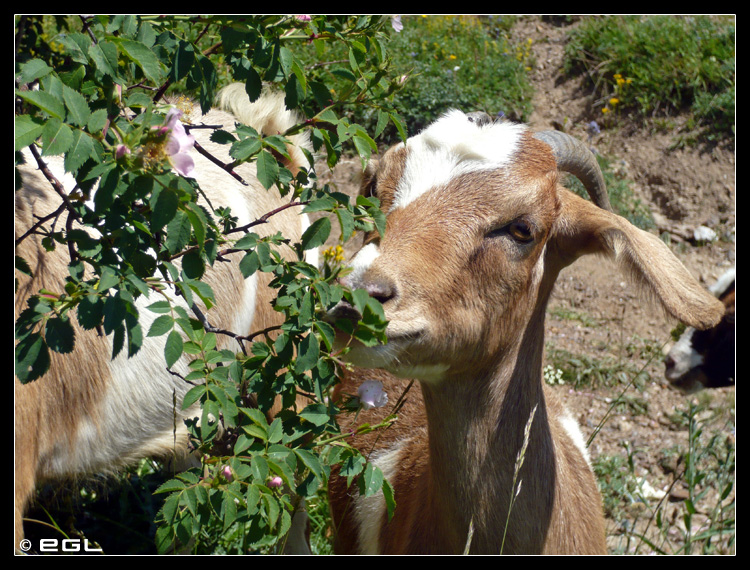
[553,375]
[372,395]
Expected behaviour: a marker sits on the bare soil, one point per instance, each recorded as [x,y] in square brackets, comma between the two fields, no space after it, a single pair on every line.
[597,319]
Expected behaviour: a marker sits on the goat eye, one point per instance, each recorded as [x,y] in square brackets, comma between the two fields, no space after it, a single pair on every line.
[520,231]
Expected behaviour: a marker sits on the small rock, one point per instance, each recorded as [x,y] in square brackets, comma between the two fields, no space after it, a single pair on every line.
[703,233]
[678,494]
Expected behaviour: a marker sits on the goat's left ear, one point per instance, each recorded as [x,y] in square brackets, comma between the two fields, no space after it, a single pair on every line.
[583,228]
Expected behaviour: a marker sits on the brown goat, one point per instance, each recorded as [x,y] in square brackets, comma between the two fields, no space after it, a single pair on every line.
[477,230]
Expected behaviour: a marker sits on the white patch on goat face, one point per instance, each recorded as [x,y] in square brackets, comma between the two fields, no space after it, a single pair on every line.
[450,147]
[361,263]
[683,356]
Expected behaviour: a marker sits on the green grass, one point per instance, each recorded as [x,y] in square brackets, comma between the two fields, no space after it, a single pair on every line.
[658,66]
[465,62]
[703,522]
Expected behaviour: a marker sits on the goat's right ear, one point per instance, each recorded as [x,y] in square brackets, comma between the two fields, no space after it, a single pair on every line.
[583,228]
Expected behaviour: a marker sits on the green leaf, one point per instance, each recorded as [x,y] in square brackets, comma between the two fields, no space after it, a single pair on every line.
[32,358]
[161,325]
[192,265]
[193,395]
[400,127]
[275,431]
[390,498]
[229,510]
[173,348]
[249,264]
[143,57]
[328,333]
[248,241]
[198,221]
[267,169]
[97,121]
[311,461]
[78,108]
[184,58]
[326,203]
[245,148]
[317,234]
[309,351]
[253,84]
[160,307]
[371,480]
[178,232]
[316,414]
[104,55]
[346,221]
[109,187]
[90,312]
[163,208]
[306,308]
[364,145]
[33,69]
[57,138]
[135,334]
[45,101]
[277,143]
[259,467]
[79,152]
[76,46]
[59,335]
[256,416]
[170,486]
[27,130]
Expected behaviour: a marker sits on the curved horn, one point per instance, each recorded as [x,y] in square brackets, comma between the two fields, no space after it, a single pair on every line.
[574,157]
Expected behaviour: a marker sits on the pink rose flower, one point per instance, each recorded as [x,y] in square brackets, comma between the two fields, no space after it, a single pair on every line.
[275,482]
[179,144]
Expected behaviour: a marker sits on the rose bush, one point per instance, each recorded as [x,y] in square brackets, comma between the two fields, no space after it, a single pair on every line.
[91,88]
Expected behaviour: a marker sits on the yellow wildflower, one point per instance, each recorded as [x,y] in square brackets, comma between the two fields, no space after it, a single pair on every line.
[334,254]
[614,101]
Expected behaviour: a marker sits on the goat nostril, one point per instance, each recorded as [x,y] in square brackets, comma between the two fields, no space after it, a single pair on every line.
[381,292]
[668,362]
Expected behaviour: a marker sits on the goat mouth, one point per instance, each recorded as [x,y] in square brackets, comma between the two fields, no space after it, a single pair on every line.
[343,311]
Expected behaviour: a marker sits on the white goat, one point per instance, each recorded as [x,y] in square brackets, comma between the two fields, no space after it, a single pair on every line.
[92,414]
[706,358]
[477,231]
